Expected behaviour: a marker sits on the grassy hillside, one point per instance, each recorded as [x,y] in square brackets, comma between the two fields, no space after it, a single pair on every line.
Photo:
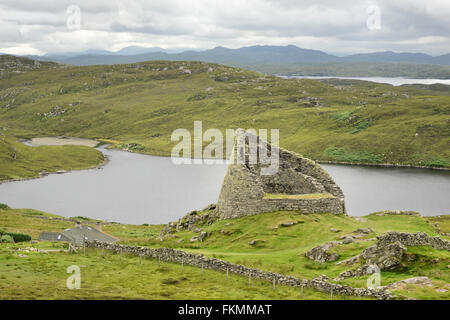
[141,104]
[19,161]
[40,273]
[275,249]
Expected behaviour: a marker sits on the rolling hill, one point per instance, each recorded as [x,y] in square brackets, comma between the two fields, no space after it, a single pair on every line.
[277,60]
[139,105]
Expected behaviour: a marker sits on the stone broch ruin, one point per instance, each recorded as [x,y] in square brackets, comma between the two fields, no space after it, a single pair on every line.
[299,184]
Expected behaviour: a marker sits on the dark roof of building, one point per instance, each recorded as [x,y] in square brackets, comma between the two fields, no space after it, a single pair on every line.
[53,236]
[87,233]
[78,235]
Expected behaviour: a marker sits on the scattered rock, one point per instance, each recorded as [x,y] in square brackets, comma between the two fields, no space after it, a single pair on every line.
[441,290]
[410,257]
[347,240]
[288,224]
[194,239]
[419,281]
[363,230]
[321,253]
[384,256]
[335,230]
[203,236]
[380,255]
[256,241]
[211,206]
[350,261]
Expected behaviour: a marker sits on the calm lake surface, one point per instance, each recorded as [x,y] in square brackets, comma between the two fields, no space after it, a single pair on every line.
[393,81]
[135,188]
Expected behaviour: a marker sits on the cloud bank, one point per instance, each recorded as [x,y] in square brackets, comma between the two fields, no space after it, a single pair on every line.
[339,27]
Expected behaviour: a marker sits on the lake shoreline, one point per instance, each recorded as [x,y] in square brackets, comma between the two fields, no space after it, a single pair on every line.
[381,165]
[45,174]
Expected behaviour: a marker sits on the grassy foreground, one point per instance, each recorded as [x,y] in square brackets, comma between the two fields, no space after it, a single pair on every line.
[18,161]
[277,248]
[138,106]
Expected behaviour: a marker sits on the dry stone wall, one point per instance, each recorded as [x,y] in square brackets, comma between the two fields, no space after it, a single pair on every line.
[413,239]
[178,256]
[244,187]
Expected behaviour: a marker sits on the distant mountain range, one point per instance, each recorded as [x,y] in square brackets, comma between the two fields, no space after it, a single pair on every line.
[246,55]
[275,59]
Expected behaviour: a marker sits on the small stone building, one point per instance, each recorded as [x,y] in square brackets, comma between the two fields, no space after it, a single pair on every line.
[78,235]
[300,184]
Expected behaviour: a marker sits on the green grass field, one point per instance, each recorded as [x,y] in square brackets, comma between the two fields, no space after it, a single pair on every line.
[137,106]
[276,249]
[18,161]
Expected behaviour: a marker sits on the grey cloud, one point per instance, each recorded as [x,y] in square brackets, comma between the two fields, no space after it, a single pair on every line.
[405,25]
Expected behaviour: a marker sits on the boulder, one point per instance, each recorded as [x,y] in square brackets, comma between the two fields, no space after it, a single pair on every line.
[203,236]
[335,230]
[256,242]
[363,230]
[347,240]
[384,256]
[321,253]
[288,224]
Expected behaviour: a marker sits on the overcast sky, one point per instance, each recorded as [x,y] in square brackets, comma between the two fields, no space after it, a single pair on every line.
[340,27]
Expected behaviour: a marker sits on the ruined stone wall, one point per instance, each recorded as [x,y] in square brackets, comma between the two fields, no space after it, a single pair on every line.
[414,239]
[243,188]
[199,260]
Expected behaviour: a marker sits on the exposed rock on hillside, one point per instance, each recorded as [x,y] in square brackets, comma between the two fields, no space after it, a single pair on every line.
[191,221]
[390,249]
[384,256]
[321,253]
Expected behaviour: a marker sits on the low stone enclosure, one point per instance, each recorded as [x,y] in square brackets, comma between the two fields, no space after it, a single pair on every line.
[414,239]
[198,260]
[387,253]
[299,183]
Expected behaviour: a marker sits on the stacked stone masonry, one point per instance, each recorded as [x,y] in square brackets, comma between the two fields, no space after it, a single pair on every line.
[199,260]
[244,187]
[414,239]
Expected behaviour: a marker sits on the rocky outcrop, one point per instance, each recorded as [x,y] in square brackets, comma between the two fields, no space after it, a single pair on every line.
[321,253]
[191,221]
[419,281]
[390,249]
[178,256]
[385,256]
